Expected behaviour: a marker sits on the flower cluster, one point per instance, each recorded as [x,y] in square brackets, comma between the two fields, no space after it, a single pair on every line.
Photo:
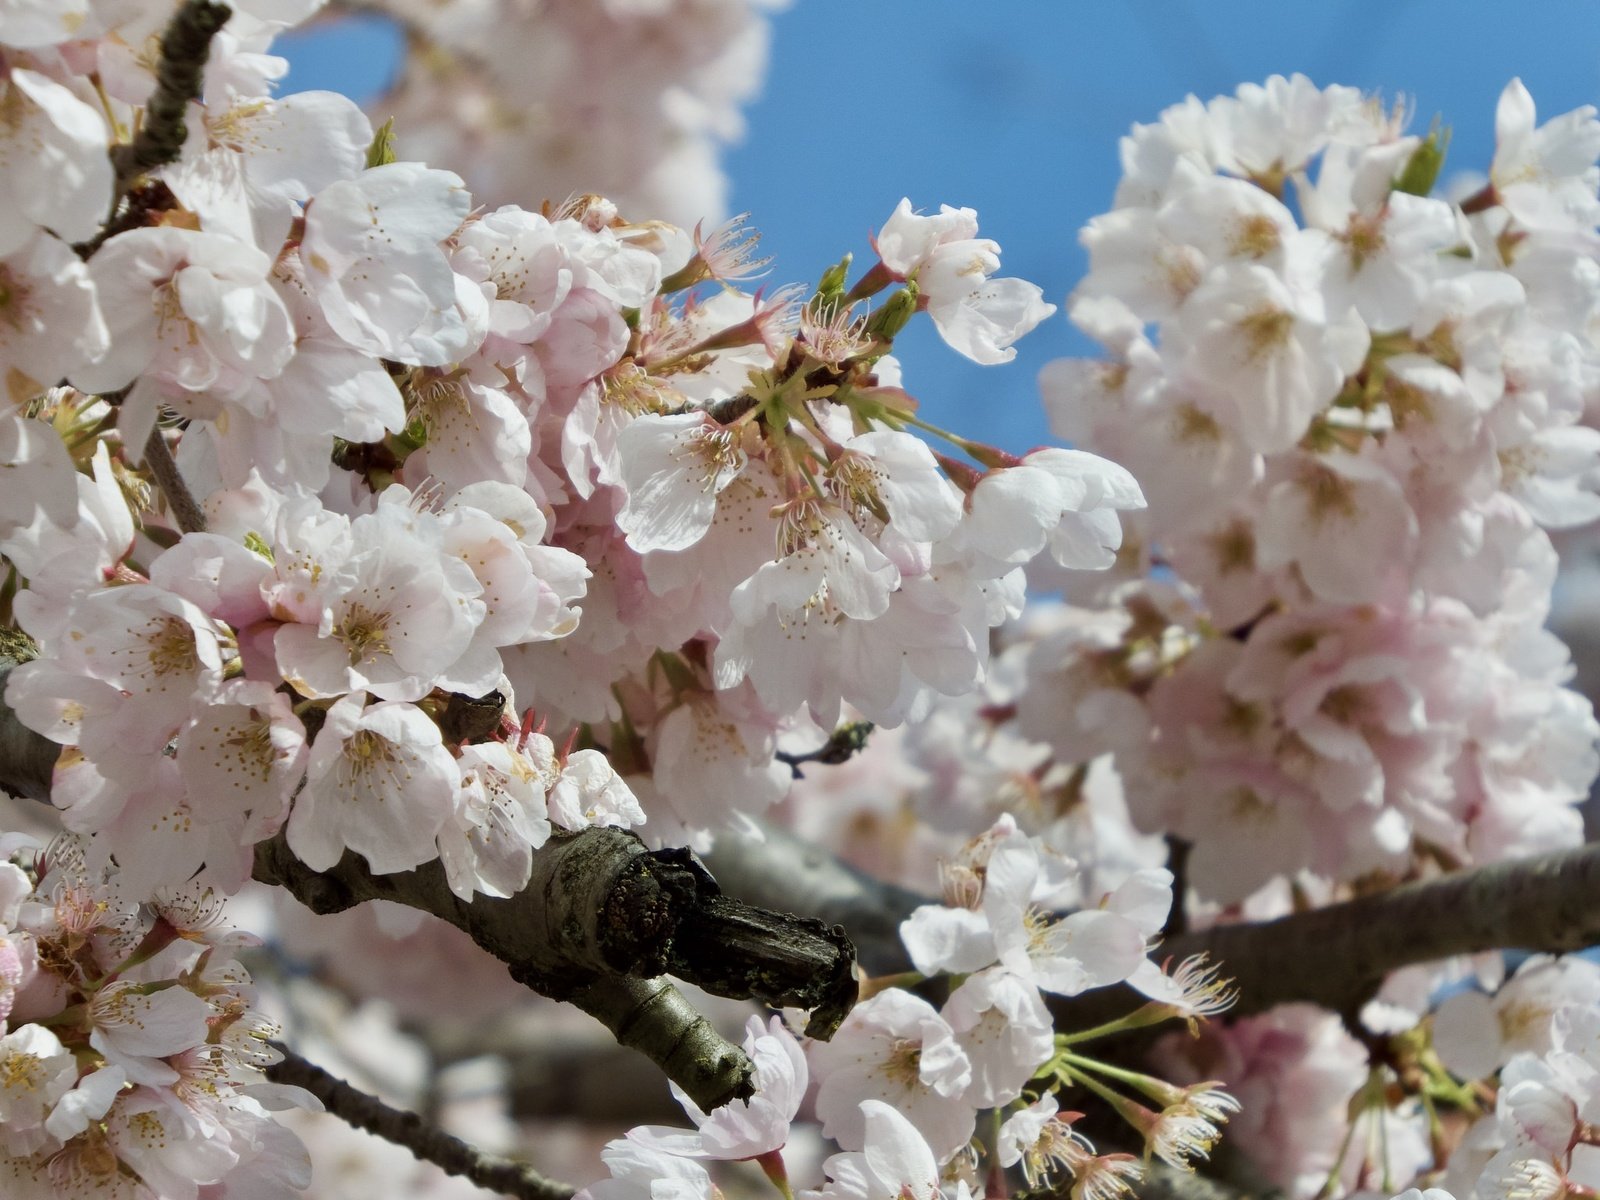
[1356,407]
[632,100]
[423,440]
[900,1085]
[131,1047]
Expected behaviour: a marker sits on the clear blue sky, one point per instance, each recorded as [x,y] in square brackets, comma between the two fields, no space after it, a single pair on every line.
[1014,108]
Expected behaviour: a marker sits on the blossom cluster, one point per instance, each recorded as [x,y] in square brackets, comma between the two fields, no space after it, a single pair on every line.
[424,438]
[352,511]
[131,1046]
[1357,408]
[632,100]
[899,1087]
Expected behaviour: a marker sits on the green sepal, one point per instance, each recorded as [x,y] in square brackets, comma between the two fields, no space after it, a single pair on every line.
[1427,160]
[381,152]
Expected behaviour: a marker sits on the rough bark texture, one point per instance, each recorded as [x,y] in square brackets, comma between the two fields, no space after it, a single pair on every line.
[599,921]
[785,872]
[1335,956]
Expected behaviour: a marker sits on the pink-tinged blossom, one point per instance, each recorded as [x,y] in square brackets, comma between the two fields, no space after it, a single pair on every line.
[1344,523]
[168,1148]
[895,1048]
[380,782]
[1293,1071]
[498,820]
[50,322]
[55,173]
[742,1128]
[373,260]
[474,433]
[896,1161]
[243,755]
[1066,499]
[713,760]
[673,469]
[976,315]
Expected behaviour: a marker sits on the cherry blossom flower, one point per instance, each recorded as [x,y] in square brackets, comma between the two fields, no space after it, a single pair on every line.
[897,1161]
[378,781]
[977,316]
[896,1048]
[744,1128]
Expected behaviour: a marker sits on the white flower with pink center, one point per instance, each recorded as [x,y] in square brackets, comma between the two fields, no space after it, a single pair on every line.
[373,260]
[976,315]
[743,1128]
[673,469]
[895,1163]
[896,1048]
[380,782]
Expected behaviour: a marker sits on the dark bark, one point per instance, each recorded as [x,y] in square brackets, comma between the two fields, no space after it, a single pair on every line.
[600,919]
[428,1142]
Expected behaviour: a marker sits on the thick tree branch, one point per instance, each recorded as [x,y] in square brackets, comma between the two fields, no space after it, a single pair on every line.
[601,917]
[427,1142]
[1335,956]
[785,872]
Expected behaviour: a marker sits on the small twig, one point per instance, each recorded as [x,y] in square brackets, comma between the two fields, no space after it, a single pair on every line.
[842,745]
[1178,863]
[185,46]
[185,510]
[428,1142]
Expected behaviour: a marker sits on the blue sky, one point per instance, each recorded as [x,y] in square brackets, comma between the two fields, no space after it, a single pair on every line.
[1014,108]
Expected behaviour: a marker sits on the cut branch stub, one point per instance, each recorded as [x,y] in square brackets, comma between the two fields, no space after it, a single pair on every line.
[600,919]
